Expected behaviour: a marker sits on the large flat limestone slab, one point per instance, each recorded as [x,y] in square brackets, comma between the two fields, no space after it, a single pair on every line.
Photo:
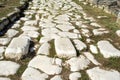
[18,47]
[64,48]
[8,68]
[101,74]
[107,49]
[45,64]
[33,74]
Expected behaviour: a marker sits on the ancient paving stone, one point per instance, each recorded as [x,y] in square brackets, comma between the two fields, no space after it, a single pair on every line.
[11,33]
[45,64]
[4,41]
[79,45]
[30,23]
[18,47]
[74,76]
[16,26]
[85,32]
[63,17]
[91,58]
[95,24]
[78,63]
[33,74]
[101,74]
[100,31]
[107,49]
[65,27]
[49,31]
[3,78]
[8,70]
[47,24]
[2,50]
[44,49]
[93,49]
[69,35]
[29,28]
[32,34]
[64,48]
[44,39]
[57,77]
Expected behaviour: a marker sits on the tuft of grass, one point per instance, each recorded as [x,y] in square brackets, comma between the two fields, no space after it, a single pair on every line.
[84,76]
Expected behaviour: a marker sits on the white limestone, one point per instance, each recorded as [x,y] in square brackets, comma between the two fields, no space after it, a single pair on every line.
[44,49]
[95,24]
[93,49]
[47,24]
[44,64]
[101,74]
[29,28]
[30,23]
[107,49]
[16,26]
[17,48]
[78,63]
[100,31]
[74,76]
[4,41]
[2,50]
[3,78]
[69,35]
[11,33]
[57,77]
[118,32]
[79,44]
[49,31]
[91,58]
[63,17]
[33,74]
[65,27]
[8,68]
[32,34]
[44,39]
[64,48]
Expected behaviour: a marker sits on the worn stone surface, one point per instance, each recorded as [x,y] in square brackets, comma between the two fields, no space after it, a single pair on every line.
[17,48]
[107,49]
[78,63]
[101,74]
[45,64]
[8,70]
[64,48]
[33,74]
[74,76]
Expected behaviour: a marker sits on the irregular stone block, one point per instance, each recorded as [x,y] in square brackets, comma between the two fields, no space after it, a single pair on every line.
[101,74]
[17,48]
[8,68]
[64,48]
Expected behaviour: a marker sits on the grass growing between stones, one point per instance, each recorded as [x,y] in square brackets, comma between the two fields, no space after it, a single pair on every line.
[8,6]
[109,22]
[84,76]
[110,63]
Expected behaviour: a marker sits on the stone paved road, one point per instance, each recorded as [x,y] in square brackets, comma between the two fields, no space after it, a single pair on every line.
[53,42]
